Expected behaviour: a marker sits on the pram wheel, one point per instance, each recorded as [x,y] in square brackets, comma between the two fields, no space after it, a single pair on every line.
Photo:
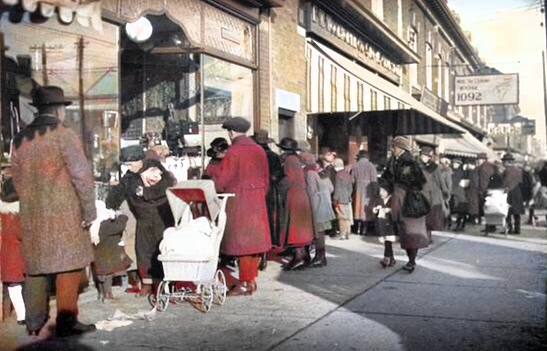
[206,297]
[162,296]
[219,288]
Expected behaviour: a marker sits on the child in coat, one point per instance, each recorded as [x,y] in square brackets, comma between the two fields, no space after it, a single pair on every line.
[384,223]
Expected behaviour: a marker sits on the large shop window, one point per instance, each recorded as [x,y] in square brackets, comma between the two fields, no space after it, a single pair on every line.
[163,82]
[80,60]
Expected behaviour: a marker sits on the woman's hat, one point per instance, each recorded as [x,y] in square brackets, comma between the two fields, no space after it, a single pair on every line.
[384,184]
[288,144]
[508,157]
[219,144]
[132,153]
[261,137]
[49,96]
[338,164]
[427,150]
[402,142]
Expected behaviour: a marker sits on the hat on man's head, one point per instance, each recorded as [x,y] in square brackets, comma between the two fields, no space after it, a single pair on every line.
[402,142]
[49,96]
[261,137]
[427,150]
[482,156]
[237,124]
[508,157]
[288,144]
[132,153]
[361,154]
[384,184]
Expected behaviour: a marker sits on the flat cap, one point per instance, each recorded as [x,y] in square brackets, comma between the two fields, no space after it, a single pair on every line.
[402,142]
[237,124]
[482,156]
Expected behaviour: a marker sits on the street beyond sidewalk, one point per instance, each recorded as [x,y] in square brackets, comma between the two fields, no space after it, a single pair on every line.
[468,293]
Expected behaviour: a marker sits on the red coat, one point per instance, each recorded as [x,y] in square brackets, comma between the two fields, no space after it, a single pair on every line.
[12,263]
[297,224]
[244,172]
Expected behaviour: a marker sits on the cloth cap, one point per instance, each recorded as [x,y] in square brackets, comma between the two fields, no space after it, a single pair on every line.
[261,137]
[49,96]
[237,124]
[401,142]
[482,156]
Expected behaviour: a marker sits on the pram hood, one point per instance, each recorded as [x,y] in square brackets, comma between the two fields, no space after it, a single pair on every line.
[181,210]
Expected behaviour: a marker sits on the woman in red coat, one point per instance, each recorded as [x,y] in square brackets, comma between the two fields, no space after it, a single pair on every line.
[244,172]
[296,222]
[12,264]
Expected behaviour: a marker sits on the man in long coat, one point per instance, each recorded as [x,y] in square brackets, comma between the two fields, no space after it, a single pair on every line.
[365,178]
[244,172]
[55,185]
[434,190]
[512,178]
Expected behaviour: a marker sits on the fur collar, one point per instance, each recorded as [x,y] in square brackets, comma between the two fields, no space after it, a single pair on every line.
[40,125]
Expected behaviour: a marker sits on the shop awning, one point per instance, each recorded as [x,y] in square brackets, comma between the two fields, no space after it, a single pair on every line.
[465,145]
[86,12]
[417,119]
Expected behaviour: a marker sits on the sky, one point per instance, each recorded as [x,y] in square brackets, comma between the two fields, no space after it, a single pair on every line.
[509,36]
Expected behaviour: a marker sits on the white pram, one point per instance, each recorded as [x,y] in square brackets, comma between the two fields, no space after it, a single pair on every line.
[190,250]
[496,207]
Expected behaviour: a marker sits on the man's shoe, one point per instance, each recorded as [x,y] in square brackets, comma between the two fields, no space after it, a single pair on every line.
[78,328]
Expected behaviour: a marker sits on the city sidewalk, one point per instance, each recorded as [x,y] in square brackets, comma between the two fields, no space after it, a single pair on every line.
[468,292]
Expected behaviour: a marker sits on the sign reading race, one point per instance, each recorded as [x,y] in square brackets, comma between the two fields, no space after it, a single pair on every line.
[491,89]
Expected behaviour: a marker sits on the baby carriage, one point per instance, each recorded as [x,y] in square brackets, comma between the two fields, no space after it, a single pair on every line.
[496,207]
[190,249]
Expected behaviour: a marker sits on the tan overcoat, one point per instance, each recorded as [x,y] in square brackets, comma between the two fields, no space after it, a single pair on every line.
[56,190]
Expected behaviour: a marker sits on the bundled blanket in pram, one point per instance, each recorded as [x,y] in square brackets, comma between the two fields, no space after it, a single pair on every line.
[192,239]
[496,203]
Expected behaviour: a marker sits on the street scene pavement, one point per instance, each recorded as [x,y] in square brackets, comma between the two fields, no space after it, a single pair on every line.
[469,292]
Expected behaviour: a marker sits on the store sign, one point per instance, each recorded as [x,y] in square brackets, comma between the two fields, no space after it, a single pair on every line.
[325,26]
[491,89]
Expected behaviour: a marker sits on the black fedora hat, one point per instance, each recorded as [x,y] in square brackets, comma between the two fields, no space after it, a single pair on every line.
[288,144]
[48,96]
[361,154]
[508,157]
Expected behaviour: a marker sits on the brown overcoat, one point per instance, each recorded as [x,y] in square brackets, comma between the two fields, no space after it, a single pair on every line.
[56,190]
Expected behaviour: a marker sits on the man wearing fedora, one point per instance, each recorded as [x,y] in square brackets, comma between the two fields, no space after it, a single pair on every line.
[512,178]
[365,179]
[244,172]
[57,205]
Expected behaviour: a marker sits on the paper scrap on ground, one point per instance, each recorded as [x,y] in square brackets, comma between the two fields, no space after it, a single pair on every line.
[120,319]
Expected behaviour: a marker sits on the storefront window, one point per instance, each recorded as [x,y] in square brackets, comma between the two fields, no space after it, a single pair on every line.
[80,60]
[228,92]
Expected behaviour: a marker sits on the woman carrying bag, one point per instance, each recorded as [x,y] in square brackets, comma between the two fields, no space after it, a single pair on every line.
[408,205]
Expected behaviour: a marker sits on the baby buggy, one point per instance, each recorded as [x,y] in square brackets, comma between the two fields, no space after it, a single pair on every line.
[496,208]
[190,249]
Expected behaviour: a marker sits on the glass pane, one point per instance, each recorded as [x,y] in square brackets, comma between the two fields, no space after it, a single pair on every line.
[49,53]
[228,91]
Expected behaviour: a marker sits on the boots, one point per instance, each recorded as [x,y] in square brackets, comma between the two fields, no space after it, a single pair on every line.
[298,261]
[320,259]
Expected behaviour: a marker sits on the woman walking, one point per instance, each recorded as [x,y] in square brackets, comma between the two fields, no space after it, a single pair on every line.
[408,214]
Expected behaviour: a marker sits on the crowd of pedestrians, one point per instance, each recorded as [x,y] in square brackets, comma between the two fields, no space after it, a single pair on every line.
[285,206]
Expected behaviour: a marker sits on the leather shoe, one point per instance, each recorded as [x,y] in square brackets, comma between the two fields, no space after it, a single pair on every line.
[78,328]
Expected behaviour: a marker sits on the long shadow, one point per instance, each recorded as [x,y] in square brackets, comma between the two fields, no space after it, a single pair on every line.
[468,275]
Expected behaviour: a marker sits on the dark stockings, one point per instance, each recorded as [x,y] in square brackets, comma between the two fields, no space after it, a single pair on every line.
[412,253]
[388,249]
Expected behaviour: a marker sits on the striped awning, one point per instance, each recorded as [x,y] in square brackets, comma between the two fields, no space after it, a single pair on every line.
[86,12]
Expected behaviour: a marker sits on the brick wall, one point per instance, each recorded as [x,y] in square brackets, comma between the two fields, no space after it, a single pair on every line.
[288,63]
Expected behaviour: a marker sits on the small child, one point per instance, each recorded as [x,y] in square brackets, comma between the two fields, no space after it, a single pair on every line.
[384,224]
[343,189]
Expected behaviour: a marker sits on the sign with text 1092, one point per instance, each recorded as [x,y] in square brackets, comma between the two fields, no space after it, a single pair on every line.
[490,89]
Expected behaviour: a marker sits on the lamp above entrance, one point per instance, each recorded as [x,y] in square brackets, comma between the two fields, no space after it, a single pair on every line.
[140,30]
